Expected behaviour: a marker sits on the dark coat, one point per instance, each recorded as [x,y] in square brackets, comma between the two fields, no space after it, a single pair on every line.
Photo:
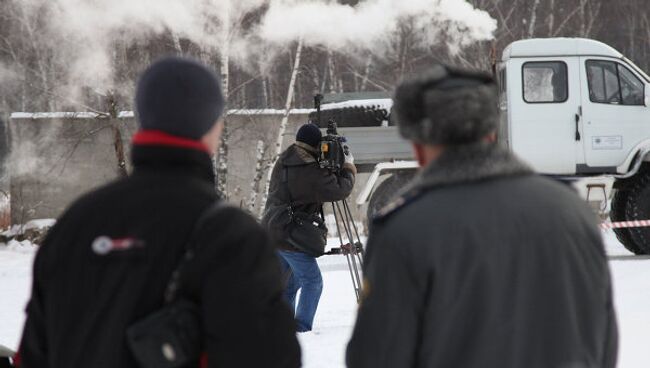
[308,184]
[481,263]
[82,302]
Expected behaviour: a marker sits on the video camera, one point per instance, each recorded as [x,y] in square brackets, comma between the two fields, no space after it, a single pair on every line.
[332,145]
[332,149]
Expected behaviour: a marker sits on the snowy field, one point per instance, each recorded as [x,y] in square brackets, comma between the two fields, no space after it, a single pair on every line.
[325,346]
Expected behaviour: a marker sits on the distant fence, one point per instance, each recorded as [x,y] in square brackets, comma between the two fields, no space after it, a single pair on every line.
[56,157]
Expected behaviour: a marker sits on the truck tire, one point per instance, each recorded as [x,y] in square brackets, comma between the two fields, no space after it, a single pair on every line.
[358,116]
[638,208]
[386,191]
[617,213]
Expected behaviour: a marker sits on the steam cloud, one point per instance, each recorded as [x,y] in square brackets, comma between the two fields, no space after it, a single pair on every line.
[370,23]
[90,27]
[84,32]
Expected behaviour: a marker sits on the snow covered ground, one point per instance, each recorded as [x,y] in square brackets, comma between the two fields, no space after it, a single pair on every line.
[15,281]
[325,346]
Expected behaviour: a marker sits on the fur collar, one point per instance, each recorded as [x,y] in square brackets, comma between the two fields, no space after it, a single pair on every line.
[298,155]
[307,147]
[468,164]
[459,165]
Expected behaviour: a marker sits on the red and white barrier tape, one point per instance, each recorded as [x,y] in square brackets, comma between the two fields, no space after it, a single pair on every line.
[624,224]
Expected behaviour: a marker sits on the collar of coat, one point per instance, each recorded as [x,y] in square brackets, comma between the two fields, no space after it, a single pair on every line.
[468,164]
[460,165]
[300,154]
[171,159]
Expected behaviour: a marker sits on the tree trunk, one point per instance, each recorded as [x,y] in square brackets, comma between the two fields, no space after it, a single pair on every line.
[330,69]
[265,92]
[283,123]
[366,73]
[551,17]
[533,19]
[221,162]
[118,143]
[177,43]
[259,174]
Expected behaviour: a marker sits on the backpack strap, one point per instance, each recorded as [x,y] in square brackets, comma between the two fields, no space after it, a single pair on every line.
[173,286]
[285,181]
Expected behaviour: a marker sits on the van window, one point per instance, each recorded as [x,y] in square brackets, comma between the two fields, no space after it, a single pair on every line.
[631,87]
[612,83]
[545,82]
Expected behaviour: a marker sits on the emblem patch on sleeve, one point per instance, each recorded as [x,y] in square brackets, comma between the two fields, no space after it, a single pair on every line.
[104,245]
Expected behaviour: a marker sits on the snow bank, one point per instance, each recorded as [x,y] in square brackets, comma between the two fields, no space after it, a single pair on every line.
[131,114]
[16,260]
[39,224]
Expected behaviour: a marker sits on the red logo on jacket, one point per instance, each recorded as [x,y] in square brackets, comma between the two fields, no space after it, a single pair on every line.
[104,245]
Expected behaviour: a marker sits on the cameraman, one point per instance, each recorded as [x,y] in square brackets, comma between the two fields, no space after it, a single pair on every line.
[298,179]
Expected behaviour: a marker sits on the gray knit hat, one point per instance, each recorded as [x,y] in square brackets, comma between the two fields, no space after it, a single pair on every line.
[446,106]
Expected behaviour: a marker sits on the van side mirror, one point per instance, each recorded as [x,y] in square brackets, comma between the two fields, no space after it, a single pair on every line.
[646,92]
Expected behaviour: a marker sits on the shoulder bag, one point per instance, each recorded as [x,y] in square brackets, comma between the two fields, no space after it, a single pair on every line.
[305,231]
[171,336]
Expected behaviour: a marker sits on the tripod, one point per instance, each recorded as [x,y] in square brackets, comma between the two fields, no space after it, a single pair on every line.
[353,249]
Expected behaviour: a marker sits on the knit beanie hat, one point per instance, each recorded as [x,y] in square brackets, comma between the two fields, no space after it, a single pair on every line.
[446,106]
[309,134]
[180,97]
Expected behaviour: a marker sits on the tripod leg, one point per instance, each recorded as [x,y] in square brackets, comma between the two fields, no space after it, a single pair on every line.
[348,214]
[355,269]
[357,289]
[350,266]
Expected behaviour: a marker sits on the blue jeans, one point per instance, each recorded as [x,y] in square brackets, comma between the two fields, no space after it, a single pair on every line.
[305,275]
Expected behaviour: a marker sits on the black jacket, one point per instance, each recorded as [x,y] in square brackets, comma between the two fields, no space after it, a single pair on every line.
[483,264]
[82,302]
[298,174]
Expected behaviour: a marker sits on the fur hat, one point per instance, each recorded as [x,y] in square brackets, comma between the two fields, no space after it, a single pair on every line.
[446,106]
[180,97]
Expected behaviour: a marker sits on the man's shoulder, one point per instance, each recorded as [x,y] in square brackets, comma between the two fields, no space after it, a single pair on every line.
[230,220]
[553,192]
[437,199]
[106,193]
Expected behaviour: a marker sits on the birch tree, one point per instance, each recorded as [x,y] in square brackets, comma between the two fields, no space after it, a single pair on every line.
[260,166]
[222,167]
[283,123]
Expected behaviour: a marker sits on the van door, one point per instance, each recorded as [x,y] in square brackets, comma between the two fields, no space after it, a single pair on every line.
[543,120]
[614,114]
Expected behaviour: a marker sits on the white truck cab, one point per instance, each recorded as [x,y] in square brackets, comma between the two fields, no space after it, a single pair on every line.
[573,106]
[578,109]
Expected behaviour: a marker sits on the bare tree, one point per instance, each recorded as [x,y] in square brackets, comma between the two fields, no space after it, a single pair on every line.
[260,168]
[285,119]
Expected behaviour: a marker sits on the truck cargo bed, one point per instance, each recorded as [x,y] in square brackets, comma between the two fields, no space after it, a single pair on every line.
[372,145]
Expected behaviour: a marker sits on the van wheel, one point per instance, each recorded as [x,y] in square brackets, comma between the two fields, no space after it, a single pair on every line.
[618,214]
[357,116]
[386,191]
[638,208]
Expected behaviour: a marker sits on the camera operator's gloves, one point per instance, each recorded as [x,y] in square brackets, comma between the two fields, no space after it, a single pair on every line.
[349,160]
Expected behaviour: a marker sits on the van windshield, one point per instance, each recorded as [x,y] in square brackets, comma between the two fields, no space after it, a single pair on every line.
[637,69]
